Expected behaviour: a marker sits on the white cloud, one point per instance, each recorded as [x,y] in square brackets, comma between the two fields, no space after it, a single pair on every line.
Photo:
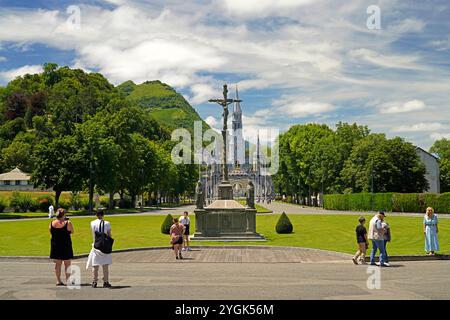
[387,61]
[211,121]
[262,7]
[421,127]
[202,92]
[439,136]
[2,59]
[398,107]
[303,109]
[9,75]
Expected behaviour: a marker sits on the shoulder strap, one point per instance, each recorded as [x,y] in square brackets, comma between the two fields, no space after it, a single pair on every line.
[102,226]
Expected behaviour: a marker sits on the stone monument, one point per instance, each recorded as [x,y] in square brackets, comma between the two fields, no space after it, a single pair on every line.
[225,219]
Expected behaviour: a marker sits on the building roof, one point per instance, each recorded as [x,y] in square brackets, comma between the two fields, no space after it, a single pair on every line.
[424,151]
[15,175]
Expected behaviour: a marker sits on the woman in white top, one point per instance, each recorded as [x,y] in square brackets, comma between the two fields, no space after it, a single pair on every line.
[96,257]
[186,222]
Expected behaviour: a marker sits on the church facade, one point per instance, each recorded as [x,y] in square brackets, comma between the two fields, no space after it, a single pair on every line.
[246,162]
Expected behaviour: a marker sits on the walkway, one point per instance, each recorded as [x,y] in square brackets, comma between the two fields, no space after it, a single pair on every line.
[279,207]
[232,274]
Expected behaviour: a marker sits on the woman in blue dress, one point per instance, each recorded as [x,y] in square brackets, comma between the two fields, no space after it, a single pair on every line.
[430,230]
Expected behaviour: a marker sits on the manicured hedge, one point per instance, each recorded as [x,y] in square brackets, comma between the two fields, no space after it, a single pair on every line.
[391,202]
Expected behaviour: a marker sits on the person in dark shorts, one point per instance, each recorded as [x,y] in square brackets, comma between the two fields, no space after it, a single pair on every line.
[176,237]
[363,243]
[186,222]
[61,244]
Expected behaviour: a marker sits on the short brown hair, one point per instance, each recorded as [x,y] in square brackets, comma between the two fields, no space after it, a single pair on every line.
[175,220]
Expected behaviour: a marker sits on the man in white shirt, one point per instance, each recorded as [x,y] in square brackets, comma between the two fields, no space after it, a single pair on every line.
[376,234]
[51,211]
[186,222]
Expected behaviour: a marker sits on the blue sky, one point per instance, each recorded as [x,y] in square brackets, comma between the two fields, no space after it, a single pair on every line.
[295,61]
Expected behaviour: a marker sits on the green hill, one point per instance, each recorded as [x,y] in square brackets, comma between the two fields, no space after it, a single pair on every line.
[166,105]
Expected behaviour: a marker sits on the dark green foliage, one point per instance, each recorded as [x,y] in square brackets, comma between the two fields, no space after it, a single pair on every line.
[125,203]
[44,202]
[20,202]
[167,223]
[3,204]
[34,205]
[284,225]
[390,202]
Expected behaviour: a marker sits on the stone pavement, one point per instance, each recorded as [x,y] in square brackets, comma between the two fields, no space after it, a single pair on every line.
[209,274]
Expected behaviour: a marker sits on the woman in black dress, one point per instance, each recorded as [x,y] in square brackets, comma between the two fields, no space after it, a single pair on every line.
[61,244]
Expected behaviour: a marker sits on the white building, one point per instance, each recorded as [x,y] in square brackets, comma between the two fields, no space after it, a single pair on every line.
[433,173]
[15,180]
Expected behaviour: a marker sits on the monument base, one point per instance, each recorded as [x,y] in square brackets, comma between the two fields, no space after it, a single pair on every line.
[226,220]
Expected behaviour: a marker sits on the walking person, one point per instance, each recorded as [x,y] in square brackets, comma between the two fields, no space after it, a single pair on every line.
[430,230]
[376,234]
[386,239]
[51,211]
[362,241]
[96,257]
[176,237]
[186,222]
[61,244]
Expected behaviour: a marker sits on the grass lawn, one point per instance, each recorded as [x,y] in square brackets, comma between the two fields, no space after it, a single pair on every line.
[259,208]
[330,232]
[23,215]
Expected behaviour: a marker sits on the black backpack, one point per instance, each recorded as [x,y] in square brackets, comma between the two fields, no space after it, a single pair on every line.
[103,242]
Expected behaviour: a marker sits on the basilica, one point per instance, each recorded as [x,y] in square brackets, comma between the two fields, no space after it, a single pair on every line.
[246,162]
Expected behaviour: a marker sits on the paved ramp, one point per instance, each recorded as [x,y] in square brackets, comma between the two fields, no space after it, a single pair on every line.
[233,255]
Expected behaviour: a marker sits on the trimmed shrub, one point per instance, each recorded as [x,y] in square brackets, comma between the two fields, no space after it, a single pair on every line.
[34,205]
[167,223]
[75,201]
[382,202]
[336,201]
[64,204]
[3,204]
[20,202]
[443,203]
[125,203]
[406,202]
[284,225]
[44,202]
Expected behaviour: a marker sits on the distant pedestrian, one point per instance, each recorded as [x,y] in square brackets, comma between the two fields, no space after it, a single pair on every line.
[51,211]
[376,234]
[362,241]
[430,230]
[186,222]
[176,237]
[96,257]
[386,239]
[61,244]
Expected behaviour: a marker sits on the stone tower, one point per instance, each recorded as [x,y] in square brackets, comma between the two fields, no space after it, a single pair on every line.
[238,138]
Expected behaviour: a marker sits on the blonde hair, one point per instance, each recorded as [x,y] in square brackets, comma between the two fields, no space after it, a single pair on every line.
[430,209]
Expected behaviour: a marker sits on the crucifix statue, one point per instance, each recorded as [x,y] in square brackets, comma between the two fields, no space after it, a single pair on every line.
[224,103]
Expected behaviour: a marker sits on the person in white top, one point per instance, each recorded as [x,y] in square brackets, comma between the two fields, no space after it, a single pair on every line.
[51,211]
[376,234]
[96,257]
[186,222]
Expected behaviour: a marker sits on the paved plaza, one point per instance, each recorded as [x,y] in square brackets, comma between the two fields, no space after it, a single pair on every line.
[222,273]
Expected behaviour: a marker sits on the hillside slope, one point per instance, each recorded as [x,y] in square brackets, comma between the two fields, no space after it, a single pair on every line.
[166,105]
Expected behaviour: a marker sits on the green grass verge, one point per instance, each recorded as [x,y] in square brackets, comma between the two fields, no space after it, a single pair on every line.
[329,232]
[25,215]
[259,208]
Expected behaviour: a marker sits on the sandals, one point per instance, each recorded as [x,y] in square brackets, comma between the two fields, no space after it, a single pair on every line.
[60,284]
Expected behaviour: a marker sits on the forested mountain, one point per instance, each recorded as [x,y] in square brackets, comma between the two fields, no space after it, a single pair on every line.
[64,125]
[166,105]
